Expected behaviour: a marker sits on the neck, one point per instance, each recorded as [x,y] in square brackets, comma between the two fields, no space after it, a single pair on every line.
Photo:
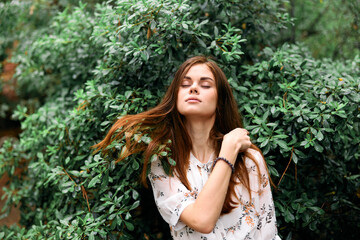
[199,131]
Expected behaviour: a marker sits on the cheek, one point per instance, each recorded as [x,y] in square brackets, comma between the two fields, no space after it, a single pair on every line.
[177,104]
[214,98]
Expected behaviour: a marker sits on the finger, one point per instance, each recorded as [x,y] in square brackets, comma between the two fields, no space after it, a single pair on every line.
[244,131]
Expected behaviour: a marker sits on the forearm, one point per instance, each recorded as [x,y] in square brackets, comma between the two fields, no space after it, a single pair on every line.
[204,213]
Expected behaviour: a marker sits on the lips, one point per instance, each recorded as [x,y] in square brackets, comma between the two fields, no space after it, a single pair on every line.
[192,100]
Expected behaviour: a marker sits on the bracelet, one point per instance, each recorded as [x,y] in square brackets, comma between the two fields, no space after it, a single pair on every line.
[225,160]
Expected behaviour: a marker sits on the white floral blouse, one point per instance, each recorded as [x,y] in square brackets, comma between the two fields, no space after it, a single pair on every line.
[251,220]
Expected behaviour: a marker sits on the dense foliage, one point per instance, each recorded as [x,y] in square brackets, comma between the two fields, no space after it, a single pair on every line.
[87,66]
[329,28]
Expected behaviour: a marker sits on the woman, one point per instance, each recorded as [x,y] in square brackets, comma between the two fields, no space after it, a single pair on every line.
[219,187]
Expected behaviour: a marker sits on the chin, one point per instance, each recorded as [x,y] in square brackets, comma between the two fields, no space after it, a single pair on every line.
[197,114]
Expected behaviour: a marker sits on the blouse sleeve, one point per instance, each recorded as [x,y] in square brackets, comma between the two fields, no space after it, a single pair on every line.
[171,196]
[266,227]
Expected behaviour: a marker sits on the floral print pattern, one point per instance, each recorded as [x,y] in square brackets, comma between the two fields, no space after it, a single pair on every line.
[253,219]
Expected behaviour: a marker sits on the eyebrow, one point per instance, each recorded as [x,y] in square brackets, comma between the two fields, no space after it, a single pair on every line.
[201,79]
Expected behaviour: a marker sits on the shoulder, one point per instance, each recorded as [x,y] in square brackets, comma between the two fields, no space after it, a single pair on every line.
[156,168]
[254,160]
[255,155]
[257,169]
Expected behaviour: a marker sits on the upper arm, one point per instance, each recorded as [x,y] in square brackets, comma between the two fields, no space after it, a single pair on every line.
[171,196]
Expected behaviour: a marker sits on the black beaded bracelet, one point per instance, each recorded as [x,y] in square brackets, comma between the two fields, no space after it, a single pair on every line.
[225,160]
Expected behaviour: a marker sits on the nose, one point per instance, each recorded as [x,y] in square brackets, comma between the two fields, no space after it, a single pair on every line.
[193,89]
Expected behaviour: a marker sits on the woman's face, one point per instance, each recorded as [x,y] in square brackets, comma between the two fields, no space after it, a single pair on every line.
[197,95]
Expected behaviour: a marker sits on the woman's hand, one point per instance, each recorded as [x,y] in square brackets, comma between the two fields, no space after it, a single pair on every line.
[234,142]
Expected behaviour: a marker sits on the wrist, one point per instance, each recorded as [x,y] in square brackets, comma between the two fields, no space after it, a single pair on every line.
[229,154]
[226,161]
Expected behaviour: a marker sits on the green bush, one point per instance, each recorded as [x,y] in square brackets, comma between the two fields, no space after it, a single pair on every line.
[329,28]
[10,13]
[44,60]
[306,112]
[89,68]
[62,58]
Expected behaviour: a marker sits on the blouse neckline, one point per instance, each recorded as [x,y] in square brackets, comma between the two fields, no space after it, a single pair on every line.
[197,161]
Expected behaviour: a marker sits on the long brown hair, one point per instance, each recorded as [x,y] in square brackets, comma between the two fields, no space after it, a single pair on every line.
[164,123]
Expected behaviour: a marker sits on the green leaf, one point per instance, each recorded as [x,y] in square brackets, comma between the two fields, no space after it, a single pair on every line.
[172,162]
[282,144]
[303,63]
[92,236]
[153,158]
[216,31]
[289,236]
[289,217]
[94,181]
[353,177]
[317,210]
[135,165]
[135,194]
[314,131]
[281,136]
[129,226]
[295,158]
[248,109]
[163,153]
[119,220]
[318,147]
[58,215]
[201,42]
[135,205]
[264,143]
[67,160]
[319,135]
[40,155]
